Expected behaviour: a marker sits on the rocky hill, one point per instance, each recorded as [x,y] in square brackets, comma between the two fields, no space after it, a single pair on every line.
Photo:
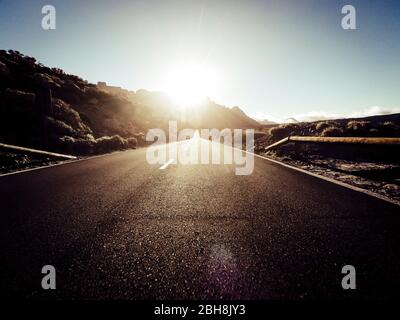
[46,108]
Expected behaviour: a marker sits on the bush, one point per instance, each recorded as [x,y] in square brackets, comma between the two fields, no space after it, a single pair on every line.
[19,101]
[332,132]
[131,143]
[71,145]
[389,124]
[3,68]
[64,112]
[88,145]
[388,129]
[321,126]
[108,144]
[283,130]
[356,127]
[82,146]
[44,80]
[258,135]
[59,128]
[62,144]
[374,132]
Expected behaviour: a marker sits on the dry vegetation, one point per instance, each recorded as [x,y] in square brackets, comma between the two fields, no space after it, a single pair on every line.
[46,108]
[370,167]
[377,126]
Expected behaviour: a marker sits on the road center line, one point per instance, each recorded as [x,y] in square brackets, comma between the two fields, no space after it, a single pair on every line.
[164,166]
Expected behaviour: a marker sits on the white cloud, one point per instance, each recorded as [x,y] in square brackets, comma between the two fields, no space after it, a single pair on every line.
[260,116]
[315,116]
[373,111]
[321,115]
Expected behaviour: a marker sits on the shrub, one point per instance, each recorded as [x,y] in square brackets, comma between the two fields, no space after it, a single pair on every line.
[388,129]
[89,145]
[332,132]
[71,145]
[58,71]
[3,68]
[131,143]
[62,144]
[45,80]
[17,100]
[389,124]
[108,144]
[64,112]
[283,130]
[82,146]
[59,127]
[358,127]
[374,132]
[259,135]
[67,140]
[321,126]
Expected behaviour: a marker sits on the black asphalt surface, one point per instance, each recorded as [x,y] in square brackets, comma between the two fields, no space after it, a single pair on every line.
[116,227]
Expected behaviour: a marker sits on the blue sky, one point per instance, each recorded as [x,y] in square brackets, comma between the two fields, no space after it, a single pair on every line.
[274,59]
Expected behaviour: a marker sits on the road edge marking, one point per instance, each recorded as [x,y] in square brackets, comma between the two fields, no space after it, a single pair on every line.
[165,165]
[340,183]
[337,182]
[61,163]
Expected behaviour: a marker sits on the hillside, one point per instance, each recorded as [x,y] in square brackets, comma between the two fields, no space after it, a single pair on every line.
[373,126]
[374,168]
[46,108]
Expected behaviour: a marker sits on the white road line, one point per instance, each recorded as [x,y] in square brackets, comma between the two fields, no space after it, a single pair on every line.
[61,163]
[340,183]
[164,166]
[337,182]
[319,176]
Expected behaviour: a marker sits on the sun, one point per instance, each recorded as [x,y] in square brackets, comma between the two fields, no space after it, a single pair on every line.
[190,84]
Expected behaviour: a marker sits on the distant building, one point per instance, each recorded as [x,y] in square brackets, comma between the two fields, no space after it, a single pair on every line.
[103,85]
[111,89]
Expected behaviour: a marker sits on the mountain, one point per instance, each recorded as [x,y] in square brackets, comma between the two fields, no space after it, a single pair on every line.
[156,108]
[267,122]
[374,120]
[46,108]
[290,120]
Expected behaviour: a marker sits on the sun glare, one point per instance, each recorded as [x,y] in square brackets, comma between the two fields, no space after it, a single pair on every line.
[189,84]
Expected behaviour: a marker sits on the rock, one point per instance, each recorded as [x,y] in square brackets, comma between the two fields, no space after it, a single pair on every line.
[19,100]
[391,187]
[3,68]
[45,80]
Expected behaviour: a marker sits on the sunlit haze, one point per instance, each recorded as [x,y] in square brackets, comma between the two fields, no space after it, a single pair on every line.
[274,59]
[200,158]
[189,84]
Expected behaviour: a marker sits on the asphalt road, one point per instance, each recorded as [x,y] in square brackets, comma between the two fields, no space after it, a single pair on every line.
[116,227]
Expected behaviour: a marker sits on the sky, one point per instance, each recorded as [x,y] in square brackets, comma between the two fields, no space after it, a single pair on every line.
[274,59]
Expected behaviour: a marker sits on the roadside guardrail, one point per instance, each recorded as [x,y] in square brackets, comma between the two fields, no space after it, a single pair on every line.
[342,140]
[35,151]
